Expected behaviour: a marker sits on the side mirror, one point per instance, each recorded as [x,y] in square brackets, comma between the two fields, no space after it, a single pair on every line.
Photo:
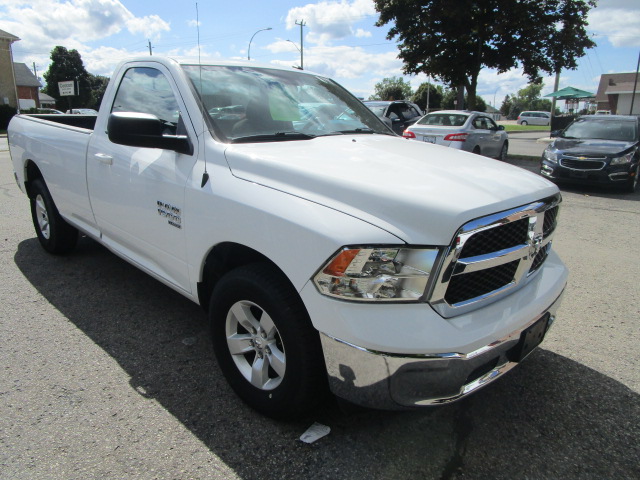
[144,130]
[500,127]
[555,133]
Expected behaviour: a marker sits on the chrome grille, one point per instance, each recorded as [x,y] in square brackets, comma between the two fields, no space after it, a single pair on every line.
[583,163]
[493,256]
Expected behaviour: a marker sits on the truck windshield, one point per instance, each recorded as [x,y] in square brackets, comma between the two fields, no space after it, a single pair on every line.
[247,104]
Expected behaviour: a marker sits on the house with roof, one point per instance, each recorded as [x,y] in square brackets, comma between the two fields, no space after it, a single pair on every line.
[28,87]
[8,90]
[615,93]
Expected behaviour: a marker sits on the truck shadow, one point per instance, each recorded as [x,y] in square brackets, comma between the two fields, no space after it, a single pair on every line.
[551,418]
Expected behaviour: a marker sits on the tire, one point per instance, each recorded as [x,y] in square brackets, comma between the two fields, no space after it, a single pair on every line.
[632,184]
[503,152]
[54,233]
[265,344]
[524,122]
[476,150]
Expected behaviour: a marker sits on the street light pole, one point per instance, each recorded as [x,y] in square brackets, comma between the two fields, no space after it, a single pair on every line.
[249,49]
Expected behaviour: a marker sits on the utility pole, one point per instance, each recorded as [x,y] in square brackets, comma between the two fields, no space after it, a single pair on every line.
[35,72]
[556,84]
[635,85]
[150,52]
[302,24]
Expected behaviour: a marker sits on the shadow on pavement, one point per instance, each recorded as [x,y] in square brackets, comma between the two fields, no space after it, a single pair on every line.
[550,418]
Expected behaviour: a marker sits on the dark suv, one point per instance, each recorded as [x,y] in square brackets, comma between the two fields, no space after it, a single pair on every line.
[399,113]
[595,149]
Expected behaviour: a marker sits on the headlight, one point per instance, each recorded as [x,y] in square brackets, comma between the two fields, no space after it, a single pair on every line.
[622,159]
[369,274]
[550,154]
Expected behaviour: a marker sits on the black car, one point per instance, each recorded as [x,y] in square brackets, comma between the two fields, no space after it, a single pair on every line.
[596,150]
[397,114]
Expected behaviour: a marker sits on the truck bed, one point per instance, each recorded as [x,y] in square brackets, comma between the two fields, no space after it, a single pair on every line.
[81,121]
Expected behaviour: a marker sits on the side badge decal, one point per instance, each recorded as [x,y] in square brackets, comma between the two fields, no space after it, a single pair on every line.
[171,213]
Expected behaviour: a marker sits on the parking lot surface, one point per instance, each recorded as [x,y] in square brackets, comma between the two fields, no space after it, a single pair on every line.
[107,373]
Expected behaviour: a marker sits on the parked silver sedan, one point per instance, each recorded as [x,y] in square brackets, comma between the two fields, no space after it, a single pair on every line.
[470,131]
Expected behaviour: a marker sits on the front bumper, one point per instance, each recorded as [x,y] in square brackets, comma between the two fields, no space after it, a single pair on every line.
[395,381]
[611,175]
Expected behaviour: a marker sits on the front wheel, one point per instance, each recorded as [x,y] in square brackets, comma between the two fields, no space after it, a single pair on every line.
[503,152]
[264,342]
[54,233]
[632,184]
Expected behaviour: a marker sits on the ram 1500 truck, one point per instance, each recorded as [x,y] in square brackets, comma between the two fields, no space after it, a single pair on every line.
[329,253]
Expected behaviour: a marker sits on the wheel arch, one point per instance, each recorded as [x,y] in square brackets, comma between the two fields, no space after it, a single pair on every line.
[223,258]
[31,172]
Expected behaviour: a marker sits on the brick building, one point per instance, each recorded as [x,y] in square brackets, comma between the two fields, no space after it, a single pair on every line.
[8,90]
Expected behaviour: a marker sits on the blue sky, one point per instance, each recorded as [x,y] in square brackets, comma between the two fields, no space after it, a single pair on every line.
[340,38]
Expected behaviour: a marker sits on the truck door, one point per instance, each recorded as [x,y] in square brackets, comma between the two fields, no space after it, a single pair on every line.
[137,194]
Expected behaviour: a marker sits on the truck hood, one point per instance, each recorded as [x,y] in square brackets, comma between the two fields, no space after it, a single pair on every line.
[422,193]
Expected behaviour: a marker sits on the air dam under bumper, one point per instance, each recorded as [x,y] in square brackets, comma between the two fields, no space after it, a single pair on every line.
[389,381]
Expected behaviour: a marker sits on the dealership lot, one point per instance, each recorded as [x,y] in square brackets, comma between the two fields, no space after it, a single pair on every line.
[107,373]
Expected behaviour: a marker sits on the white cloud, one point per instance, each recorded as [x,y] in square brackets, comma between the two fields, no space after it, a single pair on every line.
[618,21]
[331,20]
[360,33]
[42,24]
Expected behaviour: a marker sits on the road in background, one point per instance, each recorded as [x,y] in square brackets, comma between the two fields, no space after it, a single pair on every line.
[530,144]
[106,373]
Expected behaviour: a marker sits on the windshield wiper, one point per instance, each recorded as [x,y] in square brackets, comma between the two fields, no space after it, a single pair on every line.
[357,130]
[273,137]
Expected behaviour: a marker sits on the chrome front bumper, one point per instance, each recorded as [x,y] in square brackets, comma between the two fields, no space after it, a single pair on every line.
[390,381]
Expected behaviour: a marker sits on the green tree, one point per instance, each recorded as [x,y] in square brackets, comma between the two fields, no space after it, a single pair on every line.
[527,98]
[434,92]
[394,88]
[98,85]
[450,96]
[453,41]
[67,65]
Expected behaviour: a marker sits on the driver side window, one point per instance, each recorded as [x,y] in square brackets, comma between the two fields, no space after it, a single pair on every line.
[147,90]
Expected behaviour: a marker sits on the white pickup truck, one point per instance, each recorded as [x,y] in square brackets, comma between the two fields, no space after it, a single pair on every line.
[329,253]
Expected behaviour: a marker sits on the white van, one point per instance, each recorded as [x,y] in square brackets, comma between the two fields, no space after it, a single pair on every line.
[534,118]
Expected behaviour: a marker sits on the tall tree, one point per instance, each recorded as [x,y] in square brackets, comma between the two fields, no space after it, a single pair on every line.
[98,84]
[394,88]
[433,92]
[453,41]
[67,65]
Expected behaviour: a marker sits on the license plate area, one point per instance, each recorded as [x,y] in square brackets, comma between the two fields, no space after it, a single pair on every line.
[529,339]
[578,174]
[429,139]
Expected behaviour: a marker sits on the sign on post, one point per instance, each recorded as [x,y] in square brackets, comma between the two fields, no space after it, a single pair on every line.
[67,88]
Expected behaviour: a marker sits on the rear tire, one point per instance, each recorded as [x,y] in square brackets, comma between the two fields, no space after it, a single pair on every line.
[54,233]
[524,122]
[476,150]
[265,344]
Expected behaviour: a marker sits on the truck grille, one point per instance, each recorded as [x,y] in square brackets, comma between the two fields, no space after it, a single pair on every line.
[493,256]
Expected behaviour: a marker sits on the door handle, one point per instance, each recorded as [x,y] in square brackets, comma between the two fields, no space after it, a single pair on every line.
[103,158]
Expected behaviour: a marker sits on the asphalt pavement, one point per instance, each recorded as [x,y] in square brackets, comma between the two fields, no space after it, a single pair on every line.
[106,374]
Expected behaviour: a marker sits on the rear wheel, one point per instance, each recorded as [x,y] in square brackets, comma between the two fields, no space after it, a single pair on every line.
[476,150]
[54,233]
[524,122]
[264,342]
